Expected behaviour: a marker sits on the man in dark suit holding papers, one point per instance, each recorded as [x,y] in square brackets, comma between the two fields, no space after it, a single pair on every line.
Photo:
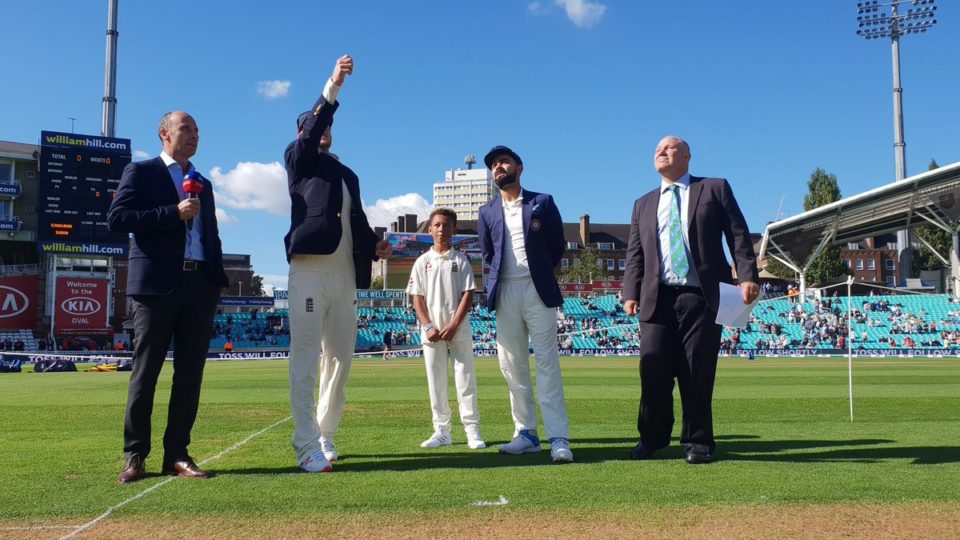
[675,264]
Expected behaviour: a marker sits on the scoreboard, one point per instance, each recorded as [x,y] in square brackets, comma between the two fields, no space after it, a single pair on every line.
[79,175]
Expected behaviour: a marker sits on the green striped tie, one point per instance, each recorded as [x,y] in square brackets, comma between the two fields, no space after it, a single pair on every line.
[678,253]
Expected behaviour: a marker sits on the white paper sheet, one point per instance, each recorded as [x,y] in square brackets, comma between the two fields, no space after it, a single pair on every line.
[732,311]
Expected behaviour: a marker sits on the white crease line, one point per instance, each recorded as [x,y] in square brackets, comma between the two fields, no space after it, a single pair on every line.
[500,502]
[38,528]
[153,488]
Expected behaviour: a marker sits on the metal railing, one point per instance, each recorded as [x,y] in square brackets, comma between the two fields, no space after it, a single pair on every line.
[19,269]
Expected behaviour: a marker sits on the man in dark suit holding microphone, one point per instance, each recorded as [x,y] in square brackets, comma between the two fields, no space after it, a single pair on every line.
[675,264]
[174,278]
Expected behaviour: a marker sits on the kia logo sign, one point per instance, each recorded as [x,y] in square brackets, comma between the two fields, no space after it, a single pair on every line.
[80,305]
[12,302]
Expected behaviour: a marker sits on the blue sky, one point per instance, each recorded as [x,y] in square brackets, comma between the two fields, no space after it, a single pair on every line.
[764,91]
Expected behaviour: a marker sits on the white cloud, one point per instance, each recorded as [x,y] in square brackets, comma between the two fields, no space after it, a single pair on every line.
[274,281]
[223,218]
[263,186]
[271,90]
[385,211]
[536,8]
[253,186]
[140,155]
[582,13]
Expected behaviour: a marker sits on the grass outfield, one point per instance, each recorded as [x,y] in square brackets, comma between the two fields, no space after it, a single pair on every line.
[789,459]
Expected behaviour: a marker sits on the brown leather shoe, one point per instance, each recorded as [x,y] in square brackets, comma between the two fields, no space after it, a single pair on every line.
[135,469]
[185,467]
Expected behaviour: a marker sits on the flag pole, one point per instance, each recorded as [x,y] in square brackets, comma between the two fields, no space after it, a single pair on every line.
[850,335]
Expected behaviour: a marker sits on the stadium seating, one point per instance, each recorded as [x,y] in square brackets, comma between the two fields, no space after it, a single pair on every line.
[599,323]
[877,320]
[25,336]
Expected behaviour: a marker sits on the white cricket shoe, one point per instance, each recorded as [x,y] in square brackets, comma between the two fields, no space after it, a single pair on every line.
[329,449]
[560,451]
[438,439]
[315,462]
[474,439]
[524,443]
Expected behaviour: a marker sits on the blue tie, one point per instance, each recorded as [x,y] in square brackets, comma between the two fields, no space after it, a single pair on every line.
[678,253]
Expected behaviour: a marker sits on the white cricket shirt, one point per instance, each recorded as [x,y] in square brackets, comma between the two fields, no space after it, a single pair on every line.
[442,278]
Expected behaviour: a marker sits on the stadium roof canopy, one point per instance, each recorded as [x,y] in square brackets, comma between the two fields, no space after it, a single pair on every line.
[931,198]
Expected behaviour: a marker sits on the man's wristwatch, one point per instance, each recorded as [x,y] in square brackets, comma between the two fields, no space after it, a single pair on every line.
[429,326]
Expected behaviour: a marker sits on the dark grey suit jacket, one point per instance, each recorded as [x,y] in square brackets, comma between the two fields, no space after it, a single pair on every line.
[713,213]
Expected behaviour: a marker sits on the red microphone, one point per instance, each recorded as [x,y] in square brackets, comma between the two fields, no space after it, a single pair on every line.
[192,186]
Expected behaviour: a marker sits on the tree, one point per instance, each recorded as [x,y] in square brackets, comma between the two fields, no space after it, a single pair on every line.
[823,189]
[251,287]
[923,258]
[377,283]
[255,285]
[584,268]
[779,269]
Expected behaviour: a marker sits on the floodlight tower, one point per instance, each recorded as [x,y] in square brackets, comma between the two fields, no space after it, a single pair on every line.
[875,22]
[110,75]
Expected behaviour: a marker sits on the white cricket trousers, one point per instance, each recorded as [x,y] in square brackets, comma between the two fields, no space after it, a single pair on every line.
[521,313]
[323,312]
[464,377]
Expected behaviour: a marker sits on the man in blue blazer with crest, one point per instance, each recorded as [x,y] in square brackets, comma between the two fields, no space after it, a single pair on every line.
[521,239]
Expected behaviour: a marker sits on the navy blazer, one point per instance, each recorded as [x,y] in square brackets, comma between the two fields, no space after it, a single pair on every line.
[146,205]
[542,240]
[713,213]
[315,181]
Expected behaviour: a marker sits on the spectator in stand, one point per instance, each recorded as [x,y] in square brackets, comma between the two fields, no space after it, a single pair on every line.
[387,342]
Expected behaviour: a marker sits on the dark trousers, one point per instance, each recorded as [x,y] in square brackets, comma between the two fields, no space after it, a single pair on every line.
[186,317]
[681,342]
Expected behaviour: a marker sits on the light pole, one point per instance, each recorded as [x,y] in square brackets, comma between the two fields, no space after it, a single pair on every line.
[874,24]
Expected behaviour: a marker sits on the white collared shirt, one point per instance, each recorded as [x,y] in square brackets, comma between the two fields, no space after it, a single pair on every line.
[667,274]
[193,250]
[442,279]
[514,264]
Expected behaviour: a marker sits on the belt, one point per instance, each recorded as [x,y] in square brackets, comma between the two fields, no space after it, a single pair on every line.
[192,266]
[682,289]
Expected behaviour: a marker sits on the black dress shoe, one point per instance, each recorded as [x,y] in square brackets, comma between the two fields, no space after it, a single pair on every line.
[134,470]
[699,458]
[641,452]
[185,467]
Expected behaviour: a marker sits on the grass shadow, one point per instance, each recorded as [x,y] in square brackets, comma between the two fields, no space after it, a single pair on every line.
[737,448]
[920,455]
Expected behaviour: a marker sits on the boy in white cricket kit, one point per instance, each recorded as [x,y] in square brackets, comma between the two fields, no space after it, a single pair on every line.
[442,284]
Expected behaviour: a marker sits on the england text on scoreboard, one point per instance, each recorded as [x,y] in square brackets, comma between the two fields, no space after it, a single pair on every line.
[79,175]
